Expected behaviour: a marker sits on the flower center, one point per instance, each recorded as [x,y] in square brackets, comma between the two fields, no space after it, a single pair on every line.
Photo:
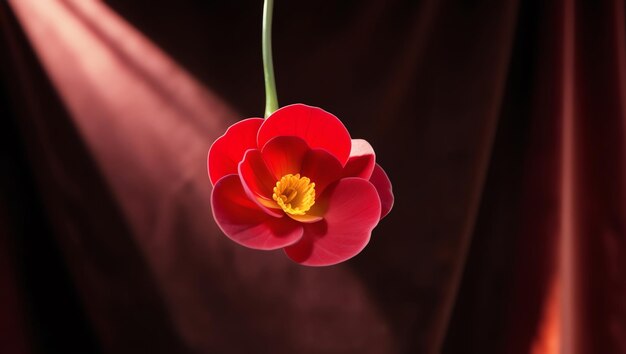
[294,194]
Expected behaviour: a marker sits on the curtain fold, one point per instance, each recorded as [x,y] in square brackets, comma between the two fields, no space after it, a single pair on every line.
[502,126]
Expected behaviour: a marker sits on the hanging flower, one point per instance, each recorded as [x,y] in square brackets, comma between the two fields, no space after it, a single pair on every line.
[297,181]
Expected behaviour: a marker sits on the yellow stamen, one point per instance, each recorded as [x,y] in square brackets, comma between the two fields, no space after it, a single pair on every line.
[294,194]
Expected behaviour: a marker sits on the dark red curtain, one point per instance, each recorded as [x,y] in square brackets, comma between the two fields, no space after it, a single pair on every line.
[502,125]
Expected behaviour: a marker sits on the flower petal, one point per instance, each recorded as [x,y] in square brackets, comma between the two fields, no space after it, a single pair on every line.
[322,168]
[362,160]
[380,180]
[306,218]
[258,182]
[317,127]
[227,150]
[243,222]
[290,154]
[352,211]
[284,155]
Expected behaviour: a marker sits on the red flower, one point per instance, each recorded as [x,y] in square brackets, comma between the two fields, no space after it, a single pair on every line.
[297,181]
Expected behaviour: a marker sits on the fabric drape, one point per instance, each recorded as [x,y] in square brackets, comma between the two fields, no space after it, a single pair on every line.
[501,124]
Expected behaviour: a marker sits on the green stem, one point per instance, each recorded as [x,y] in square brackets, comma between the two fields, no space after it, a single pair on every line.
[271,99]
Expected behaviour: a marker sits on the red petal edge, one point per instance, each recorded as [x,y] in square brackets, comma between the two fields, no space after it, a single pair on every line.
[290,154]
[243,222]
[317,127]
[380,180]
[284,155]
[362,160]
[258,182]
[227,150]
[352,212]
[322,168]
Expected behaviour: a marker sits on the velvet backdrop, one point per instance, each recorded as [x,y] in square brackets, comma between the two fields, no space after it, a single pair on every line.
[500,123]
